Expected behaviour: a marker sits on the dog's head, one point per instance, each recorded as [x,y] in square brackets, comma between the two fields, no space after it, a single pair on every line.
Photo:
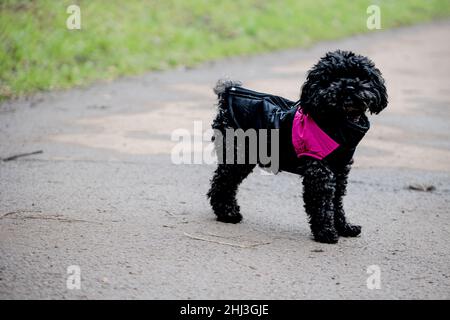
[343,85]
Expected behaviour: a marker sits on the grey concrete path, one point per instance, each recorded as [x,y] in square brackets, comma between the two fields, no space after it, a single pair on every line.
[105,196]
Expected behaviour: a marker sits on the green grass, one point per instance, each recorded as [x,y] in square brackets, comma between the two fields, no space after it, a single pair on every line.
[38,52]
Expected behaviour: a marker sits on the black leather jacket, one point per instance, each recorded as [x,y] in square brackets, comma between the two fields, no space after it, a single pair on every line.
[251,109]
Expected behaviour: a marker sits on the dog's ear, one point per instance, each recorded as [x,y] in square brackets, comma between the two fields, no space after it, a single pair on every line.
[378,88]
[317,81]
[372,85]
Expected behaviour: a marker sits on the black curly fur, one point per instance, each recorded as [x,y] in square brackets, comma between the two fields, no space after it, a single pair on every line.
[343,228]
[343,80]
[224,185]
[341,84]
[319,188]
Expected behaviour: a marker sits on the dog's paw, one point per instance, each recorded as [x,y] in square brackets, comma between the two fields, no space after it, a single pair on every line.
[235,218]
[326,236]
[349,230]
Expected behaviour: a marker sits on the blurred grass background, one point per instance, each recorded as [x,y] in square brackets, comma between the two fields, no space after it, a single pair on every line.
[38,52]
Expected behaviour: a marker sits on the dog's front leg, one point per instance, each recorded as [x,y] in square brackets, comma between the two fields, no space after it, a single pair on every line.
[344,228]
[319,185]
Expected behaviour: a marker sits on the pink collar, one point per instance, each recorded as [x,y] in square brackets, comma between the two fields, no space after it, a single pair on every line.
[308,139]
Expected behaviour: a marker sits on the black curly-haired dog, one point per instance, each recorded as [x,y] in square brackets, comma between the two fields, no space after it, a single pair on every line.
[331,119]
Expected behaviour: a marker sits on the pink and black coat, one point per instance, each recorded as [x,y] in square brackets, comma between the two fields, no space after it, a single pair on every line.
[300,136]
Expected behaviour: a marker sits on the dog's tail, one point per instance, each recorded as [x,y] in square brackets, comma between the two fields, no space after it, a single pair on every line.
[223,85]
[223,119]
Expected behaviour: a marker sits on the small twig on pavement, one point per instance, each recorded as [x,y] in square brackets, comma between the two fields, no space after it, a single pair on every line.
[216,235]
[421,187]
[22,155]
[41,217]
[225,243]
[56,218]
[19,211]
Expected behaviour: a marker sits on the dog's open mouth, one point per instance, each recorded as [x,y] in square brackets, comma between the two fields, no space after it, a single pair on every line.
[355,114]
[354,118]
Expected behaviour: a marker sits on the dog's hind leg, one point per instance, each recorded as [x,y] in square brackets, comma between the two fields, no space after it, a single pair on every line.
[224,187]
[344,228]
[319,187]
